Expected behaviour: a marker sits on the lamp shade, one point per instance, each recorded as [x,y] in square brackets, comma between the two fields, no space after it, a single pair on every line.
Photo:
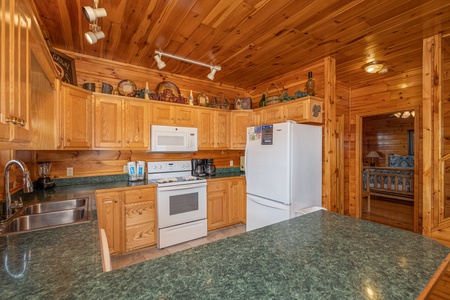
[373,154]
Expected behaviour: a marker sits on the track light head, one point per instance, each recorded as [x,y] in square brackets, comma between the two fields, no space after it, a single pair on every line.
[159,61]
[212,73]
[92,14]
[93,37]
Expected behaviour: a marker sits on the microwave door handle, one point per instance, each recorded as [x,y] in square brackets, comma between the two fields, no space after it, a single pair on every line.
[181,187]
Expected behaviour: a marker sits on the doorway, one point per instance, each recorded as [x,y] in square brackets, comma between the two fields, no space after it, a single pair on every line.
[388,172]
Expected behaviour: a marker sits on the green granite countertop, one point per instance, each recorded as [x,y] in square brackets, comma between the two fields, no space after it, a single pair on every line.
[321,255]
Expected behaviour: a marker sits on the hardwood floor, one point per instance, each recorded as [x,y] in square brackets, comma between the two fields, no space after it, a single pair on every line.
[390,212]
[123,260]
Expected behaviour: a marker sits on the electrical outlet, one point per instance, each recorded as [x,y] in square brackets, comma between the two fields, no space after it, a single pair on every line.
[69,171]
[125,168]
[231,163]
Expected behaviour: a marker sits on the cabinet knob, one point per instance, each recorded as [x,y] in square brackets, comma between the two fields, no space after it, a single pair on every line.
[140,212]
[61,138]
[68,139]
[21,122]
[119,141]
[128,142]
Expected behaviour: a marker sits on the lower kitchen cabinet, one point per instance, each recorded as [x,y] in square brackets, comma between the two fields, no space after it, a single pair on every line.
[128,216]
[226,202]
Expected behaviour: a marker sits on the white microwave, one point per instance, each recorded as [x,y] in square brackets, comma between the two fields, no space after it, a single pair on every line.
[173,139]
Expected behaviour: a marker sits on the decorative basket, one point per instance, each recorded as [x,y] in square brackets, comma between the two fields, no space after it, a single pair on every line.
[273,99]
[221,103]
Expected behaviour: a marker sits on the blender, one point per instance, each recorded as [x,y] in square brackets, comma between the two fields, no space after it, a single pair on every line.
[44,181]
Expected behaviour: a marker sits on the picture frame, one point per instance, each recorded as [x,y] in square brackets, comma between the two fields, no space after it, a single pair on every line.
[65,67]
[410,142]
[242,103]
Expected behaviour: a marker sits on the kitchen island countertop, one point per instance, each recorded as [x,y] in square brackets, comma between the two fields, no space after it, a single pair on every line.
[321,255]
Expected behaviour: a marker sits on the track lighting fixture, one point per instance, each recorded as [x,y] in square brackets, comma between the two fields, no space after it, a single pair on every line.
[161,64]
[91,15]
[159,61]
[213,72]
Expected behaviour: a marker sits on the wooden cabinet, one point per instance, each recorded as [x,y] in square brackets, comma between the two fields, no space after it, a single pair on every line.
[140,218]
[237,201]
[217,215]
[121,123]
[304,110]
[226,202]
[240,120]
[15,55]
[173,114]
[109,205]
[213,129]
[128,216]
[76,118]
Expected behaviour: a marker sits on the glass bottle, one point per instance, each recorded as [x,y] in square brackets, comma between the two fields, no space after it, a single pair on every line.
[262,102]
[191,98]
[310,85]
[147,91]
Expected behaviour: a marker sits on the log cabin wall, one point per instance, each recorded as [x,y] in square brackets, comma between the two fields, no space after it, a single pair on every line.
[385,134]
[92,69]
[109,162]
[392,94]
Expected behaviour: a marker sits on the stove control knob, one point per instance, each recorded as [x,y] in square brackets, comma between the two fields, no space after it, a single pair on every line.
[154,167]
[160,167]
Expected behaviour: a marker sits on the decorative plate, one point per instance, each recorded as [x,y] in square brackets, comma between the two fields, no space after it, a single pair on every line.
[165,85]
[202,99]
[126,88]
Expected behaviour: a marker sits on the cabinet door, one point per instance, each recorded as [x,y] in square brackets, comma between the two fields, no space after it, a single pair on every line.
[136,132]
[76,128]
[236,201]
[162,114]
[272,115]
[185,116]
[205,125]
[217,204]
[109,218]
[108,123]
[222,129]
[240,120]
[257,117]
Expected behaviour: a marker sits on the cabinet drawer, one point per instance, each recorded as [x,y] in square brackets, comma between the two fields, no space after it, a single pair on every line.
[140,195]
[216,186]
[140,236]
[137,213]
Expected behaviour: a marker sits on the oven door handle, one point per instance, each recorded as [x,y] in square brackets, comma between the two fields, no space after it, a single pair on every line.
[181,187]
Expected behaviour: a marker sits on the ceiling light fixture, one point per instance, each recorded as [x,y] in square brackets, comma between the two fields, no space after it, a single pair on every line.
[373,67]
[91,15]
[161,64]
[405,114]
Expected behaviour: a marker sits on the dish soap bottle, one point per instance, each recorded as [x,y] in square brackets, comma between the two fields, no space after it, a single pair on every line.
[191,98]
[310,85]
[262,102]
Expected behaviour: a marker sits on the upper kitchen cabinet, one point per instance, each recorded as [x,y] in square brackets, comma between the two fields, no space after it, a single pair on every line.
[173,114]
[76,117]
[240,120]
[304,110]
[121,123]
[213,128]
[15,61]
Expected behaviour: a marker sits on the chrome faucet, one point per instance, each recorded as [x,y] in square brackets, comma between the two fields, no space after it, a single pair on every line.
[27,187]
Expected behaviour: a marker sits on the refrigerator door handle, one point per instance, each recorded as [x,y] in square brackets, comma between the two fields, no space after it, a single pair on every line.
[276,205]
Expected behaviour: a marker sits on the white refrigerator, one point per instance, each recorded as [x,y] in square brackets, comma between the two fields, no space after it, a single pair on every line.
[283,170]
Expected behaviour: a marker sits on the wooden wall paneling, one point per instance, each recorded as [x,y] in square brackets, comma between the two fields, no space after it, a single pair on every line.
[107,162]
[329,161]
[113,72]
[342,111]
[429,64]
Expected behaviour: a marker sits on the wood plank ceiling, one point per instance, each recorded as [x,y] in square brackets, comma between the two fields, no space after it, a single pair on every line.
[252,40]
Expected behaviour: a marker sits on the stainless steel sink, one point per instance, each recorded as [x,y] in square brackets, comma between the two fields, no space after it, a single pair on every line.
[53,206]
[47,215]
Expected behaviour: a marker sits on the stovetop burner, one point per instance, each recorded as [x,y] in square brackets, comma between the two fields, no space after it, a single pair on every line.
[171,173]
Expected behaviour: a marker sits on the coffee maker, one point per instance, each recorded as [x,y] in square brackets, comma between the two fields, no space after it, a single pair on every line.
[198,167]
[44,181]
[210,168]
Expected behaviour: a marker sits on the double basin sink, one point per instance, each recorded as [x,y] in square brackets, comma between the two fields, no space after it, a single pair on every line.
[44,215]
